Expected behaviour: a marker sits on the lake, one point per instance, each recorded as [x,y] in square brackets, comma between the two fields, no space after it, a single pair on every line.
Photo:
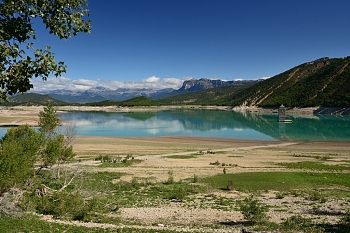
[210,123]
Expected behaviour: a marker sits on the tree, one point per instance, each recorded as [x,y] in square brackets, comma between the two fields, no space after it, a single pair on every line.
[23,147]
[48,121]
[55,148]
[63,18]
[19,150]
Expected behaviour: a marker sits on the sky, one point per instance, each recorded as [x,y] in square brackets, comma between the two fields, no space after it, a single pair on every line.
[161,43]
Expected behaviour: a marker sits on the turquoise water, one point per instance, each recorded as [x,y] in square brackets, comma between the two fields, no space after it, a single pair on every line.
[210,123]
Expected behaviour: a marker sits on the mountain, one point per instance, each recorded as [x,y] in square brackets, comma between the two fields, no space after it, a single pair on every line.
[98,94]
[211,96]
[323,82]
[31,99]
[193,85]
[133,102]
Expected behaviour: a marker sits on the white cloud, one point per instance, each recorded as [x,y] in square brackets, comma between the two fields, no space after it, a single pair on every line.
[152,79]
[63,83]
[187,78]
[150,82]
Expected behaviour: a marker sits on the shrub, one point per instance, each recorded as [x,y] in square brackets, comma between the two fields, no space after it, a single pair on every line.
[170,178]
[18,153]
[253,210]
[195,178]
[299,224]
[63,205]
[230,185]
[317,196]
[346,218]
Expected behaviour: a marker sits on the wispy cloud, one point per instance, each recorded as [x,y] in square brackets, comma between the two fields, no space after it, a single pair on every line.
[63,83]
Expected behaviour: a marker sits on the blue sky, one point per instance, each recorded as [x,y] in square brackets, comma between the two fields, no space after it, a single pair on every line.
[145,43]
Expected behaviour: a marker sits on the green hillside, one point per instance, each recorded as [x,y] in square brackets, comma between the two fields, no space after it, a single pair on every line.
[324,82]
[138,101]
[31,99]
[212,96]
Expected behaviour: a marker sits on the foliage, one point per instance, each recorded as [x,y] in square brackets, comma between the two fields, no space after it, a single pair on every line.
[134,102]
[253,210]
[66,205]
[22,147]
[212,96]
[139,101]
[34,224]
[324,82]
[63,18]
[299,224]
[315,166]
[48,121]
[55,150]
[30,99]
[18,154]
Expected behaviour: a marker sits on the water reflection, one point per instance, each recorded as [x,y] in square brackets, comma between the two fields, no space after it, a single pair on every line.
[207,123]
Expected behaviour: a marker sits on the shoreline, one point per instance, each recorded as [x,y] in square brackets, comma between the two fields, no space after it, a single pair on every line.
[19,115]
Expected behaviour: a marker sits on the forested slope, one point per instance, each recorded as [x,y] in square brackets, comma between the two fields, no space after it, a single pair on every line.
[324,82]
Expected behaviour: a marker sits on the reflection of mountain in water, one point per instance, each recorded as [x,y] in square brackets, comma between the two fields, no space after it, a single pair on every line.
[320,127]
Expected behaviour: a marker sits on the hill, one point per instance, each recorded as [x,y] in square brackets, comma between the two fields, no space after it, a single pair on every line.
[138,101]
[31,99]
[212,96]
[324,82]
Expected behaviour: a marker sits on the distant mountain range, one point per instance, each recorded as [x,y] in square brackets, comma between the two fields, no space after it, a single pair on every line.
[323,82]
[98,94]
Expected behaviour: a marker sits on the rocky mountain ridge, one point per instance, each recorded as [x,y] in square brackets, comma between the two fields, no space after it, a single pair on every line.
[100,93]
[204,83]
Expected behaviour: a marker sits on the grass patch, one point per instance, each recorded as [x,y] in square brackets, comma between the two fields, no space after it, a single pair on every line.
[279,181]
[183,156]
[98,181]
[34,224]
[315,166]
[152,195]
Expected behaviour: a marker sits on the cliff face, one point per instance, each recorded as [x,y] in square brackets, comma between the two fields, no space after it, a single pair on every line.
[202,84]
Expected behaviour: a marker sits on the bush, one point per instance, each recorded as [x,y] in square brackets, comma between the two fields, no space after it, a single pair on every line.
[253,210]
[195,178]
[63,205]
[299,224]
[18,154]
[230,185]
[346,218]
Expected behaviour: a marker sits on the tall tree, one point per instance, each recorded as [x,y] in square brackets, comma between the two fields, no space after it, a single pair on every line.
[49,121]
[19,60]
